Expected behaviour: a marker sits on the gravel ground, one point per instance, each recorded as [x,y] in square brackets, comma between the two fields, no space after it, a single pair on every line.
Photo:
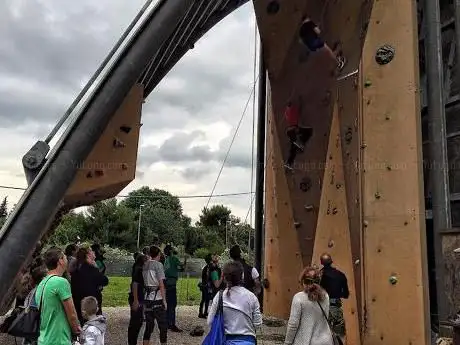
[118,319]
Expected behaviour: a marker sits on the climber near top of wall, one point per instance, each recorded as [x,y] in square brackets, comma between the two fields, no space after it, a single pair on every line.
[309,35]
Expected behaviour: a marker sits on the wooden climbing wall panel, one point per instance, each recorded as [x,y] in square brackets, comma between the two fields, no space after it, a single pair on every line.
[332,234]
[340,21]
[349,101]
[283,262]
[395,264]
[111,165]
[311,86]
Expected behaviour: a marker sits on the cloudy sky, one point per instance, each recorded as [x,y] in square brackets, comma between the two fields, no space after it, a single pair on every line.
[50,48]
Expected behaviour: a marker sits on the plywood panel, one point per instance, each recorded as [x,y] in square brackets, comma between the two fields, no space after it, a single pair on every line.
[283,262]
[349,100]
[311,85]
[340,20]
[111,165]
[393,210]
[333,235]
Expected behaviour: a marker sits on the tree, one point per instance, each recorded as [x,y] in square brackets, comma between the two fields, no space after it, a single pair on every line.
[216,216]
[72,225]
[156,198]
[161,225]
[112,224]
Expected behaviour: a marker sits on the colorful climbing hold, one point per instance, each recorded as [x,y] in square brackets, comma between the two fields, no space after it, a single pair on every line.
[384,54]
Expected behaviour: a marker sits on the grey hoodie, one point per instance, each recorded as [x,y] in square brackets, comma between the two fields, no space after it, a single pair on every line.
[94,331]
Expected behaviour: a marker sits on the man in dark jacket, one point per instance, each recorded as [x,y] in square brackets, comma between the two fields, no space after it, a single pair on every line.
[336,285]
[86,281]
[251,276]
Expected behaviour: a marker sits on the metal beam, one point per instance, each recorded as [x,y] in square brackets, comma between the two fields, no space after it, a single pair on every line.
[438,145]
[260,159]
[40,202]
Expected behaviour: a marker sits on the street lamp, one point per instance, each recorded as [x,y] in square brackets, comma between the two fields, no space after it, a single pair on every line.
[139,225]
[227,223]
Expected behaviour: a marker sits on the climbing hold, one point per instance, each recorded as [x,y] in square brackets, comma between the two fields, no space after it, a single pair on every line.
[357,261]
[273,7]
[406,223]
[384,54]
[125,129]
[365,223]
[89,174]
[330,244]
[367,83]
[389,167]
[305,184]
[363,146]
[377,195]
[393,280]
[334,210]
[117,143]
[338,185]
[99,173]
[348,135]
[124,166]
[265,283]
[297,224]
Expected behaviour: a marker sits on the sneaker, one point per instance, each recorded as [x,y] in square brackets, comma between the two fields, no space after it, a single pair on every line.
[288,167]
[299,146]
[175,329]
[201,316]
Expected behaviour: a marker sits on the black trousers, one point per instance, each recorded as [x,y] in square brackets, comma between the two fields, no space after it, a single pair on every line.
[156,312]
[151,314]
[135,325]
[204,303]
[303,134]
[171,300]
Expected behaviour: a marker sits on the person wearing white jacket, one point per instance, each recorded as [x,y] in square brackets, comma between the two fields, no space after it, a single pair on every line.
[94,329]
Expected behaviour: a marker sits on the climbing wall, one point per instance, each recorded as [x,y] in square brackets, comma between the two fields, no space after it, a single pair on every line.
[395,291]
[309,79]
[341,21]
[332,234]
[283,261]
[349,109]
[111,165]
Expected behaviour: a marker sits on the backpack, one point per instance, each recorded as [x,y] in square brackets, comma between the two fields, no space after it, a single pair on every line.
[248,282]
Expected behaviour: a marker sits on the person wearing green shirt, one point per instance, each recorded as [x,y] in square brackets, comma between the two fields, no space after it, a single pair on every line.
[58,318]
[172,267]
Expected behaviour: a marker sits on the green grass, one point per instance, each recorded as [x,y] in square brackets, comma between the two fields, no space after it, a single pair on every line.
[116,293]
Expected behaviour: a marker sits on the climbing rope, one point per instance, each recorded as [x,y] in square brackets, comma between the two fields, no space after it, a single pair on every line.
[253,133]
[231,143]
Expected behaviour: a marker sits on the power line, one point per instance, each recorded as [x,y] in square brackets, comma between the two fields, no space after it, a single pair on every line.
[156,197]
[231,143]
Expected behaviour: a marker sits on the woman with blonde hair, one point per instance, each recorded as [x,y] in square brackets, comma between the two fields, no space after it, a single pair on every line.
[307,323]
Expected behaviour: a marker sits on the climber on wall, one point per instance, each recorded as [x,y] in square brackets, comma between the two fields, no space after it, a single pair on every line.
[309,35]
[298,136]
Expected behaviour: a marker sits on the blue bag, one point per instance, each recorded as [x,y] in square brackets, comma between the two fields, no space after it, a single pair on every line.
[216,335]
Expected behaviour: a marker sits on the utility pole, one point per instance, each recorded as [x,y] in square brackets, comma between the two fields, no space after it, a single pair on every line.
[139,225]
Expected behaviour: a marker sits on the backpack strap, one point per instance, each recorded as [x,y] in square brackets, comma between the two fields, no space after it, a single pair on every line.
[43,292]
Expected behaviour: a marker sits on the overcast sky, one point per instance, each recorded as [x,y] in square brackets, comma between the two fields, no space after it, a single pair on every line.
[50,48]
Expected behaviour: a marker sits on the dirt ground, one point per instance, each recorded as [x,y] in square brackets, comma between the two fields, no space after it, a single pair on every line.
[118,319]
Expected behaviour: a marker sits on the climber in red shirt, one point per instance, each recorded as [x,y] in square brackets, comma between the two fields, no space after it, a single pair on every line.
[298,136]
[309,35]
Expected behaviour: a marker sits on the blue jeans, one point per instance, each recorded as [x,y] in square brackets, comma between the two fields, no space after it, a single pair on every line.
[240,340]
[171,300]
